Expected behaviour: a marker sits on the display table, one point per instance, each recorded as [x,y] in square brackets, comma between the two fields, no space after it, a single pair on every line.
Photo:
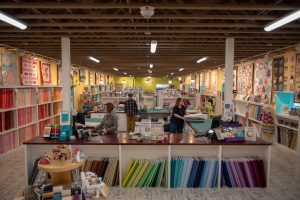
[154,113]
[61,172]
[176,146]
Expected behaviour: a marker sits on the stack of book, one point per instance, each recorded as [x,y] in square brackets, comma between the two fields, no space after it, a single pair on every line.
[287,137]
[146,173]
[256,112]
[26,116]
[27,133]
[26,97]
[44,95]
[104,167]
[57,108]
[44,111]
[8,142]
[243,172]
[6,100]
[194,172]
[6,120]
[57,96]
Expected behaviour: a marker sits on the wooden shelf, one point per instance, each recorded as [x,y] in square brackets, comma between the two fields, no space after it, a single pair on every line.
[7,131]
[288,127]
[295,118]
[254,120]
[240,115]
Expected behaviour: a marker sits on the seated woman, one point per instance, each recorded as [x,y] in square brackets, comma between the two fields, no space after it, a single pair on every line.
[177,118]
[109,123]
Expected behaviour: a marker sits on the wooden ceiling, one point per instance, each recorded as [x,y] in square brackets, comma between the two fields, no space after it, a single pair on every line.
[117,34]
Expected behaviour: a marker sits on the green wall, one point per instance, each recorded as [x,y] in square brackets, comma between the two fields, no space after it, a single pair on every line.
[147,87]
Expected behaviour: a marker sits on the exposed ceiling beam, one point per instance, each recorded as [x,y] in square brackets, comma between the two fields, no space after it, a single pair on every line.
[127,16]
[152,36]
[165,6]
[148,30]
[145,24]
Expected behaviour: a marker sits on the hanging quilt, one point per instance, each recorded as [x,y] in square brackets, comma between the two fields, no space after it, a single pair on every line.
[297,77]
[278,69]
[263,80]
[234,87]
[9,69]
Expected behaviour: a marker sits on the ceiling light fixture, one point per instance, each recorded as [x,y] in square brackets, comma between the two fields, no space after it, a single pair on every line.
[13,21]
[125,73]
[94,59]
[181,69]
[172,73]
[147,11]
[283,20]
[151,65]
[202,59]
[153,46]
[116,69]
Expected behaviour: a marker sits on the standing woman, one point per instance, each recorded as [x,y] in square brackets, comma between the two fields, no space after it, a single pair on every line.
[177,118]
[109,123]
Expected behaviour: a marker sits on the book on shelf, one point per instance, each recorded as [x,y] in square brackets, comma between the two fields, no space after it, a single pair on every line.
[44,111]
[243,172]
[57,95]
[42,125]
[105,167]
[287,137]
[44,95]
[26,97]
[145,173]
[196,172]
[26,115]
[6,100]
[7,120]
[27,133]
[8,142]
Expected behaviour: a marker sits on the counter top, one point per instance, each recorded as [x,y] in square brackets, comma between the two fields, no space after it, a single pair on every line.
[124,139]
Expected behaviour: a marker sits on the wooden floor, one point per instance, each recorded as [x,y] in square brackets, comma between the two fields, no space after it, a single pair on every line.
[284,182]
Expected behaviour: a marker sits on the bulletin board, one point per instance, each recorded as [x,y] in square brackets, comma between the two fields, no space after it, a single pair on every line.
[263,79]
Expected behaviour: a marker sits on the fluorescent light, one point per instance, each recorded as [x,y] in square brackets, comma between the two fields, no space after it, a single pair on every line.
[153,46]
[125,73]
[116,69]
[172,73]
[202,59]
[94,59]
[151,65]
[283,20]
[6,18]
[138,68]
[181,69]
[150,71]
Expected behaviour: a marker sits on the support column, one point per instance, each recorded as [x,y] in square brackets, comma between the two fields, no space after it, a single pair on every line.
[229,62]
[66,70]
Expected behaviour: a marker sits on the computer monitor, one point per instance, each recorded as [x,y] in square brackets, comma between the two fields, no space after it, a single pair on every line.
[80,118]
[216,121]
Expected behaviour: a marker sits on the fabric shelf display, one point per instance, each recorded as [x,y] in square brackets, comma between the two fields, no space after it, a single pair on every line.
[145,173]
[243,172]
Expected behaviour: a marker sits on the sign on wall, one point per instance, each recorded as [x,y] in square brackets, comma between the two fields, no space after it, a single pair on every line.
[46,72]
[29,74]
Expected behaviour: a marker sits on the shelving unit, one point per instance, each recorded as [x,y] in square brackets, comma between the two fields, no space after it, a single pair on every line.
[250,112]
[126,150]
[32,108]
[165,101]
[286,134]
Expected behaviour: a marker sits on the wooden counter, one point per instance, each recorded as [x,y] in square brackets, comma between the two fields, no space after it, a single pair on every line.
[124,139]
[177,145]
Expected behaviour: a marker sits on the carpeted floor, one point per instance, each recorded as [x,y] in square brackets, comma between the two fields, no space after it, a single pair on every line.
[284,182]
